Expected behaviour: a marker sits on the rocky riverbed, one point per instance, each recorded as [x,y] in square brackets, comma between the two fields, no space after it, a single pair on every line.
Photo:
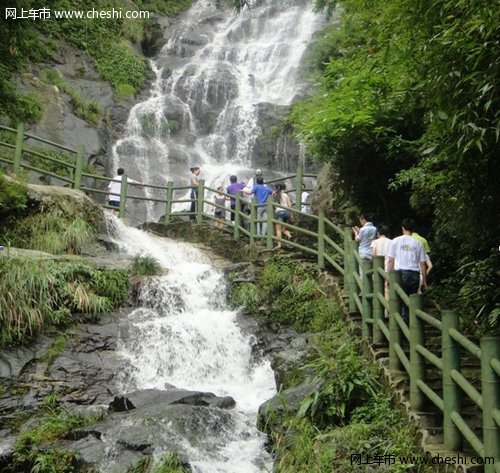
[81,377]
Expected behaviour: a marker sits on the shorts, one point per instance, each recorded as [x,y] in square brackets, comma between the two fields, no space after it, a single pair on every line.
[114,203]
[283,215]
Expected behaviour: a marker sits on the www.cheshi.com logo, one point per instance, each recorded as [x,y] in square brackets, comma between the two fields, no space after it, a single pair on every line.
[13,13]
[390,459]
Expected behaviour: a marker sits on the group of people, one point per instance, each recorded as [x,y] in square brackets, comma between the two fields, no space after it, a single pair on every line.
[256,187]
[408,254]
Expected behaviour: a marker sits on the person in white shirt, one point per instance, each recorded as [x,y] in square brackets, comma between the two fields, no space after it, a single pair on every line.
[407,256]
[115,187]
[304,200]
[380,246]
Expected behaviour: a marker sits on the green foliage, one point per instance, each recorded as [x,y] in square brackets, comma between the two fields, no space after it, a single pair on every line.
[165,7]
[54,351]
[33,450]
[291,296]
[22,42]
[123,91]
[13,196]
[374,427]
[36,294]
[120,67]
[407,112]
[171,463]
[52,233]
[348,380]
[89,111]
[247,295]
[145,266]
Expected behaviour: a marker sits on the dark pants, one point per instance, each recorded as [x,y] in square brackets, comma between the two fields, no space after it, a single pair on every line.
[194,195]
[410,280]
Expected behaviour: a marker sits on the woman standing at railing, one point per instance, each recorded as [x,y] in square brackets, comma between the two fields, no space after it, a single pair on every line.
[195,178]
[282,212]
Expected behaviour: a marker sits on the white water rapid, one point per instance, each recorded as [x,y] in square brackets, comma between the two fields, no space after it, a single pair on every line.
[185,335]
[219,72]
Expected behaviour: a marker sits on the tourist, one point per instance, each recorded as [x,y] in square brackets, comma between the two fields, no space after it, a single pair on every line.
[233,189]
[282,212]
[365,235]
[427,248]
[381,244]
[194,181]
[262,193]
[115,188]
[220,209]
[304,199]
[406,255]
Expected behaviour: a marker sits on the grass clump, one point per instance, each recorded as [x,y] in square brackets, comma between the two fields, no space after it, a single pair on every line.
[37,294]
[34,451]
[167,463]
[287,293]
[52,233]
[145,266]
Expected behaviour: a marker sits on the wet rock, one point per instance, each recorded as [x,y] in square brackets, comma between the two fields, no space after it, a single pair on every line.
[159,421]
[147,397]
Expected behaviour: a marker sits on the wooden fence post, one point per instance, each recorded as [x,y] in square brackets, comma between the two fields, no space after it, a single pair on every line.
[395,335]
[299,179]
[270,226]
[19,148]
[77,182]
[170,197]
[349,283]
[321,240]
[200,201]
[451,392]
[253,216]
[237,216]
[490,388]
[366,302]
[417,361]
[123,196]
[378,308]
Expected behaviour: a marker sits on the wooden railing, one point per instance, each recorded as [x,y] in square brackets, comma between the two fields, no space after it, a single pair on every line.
[371,292]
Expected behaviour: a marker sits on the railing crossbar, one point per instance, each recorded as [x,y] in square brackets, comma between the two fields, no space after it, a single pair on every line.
[431,394]
[467,432]
[436,323]
[465,343]
[467,388]
[430,357]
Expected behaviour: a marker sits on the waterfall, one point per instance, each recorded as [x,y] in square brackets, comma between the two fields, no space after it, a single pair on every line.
[217,70]
[183,334]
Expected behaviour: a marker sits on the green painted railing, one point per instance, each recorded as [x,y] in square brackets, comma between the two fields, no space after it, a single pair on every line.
[371,292]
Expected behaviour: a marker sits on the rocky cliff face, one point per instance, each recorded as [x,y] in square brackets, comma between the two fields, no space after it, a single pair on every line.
[60,122]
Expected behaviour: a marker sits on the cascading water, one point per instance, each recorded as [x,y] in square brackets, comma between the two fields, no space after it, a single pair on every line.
[216,71]
[184,335]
